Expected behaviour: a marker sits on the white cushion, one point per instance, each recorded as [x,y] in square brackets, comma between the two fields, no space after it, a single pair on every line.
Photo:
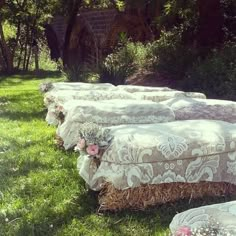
[221,216]
[165,95]
[191,108]
[179,151]
[107,113]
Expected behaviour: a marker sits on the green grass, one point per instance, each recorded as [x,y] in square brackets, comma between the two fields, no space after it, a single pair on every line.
[41,192]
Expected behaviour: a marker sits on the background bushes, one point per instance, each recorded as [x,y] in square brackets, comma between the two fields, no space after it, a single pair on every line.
[214,75]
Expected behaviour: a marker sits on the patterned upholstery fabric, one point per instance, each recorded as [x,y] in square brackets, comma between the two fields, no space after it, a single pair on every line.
[165,95]
[213,109]
[220,217]
[54,98]
[107,113]
[136,88]
[179,151]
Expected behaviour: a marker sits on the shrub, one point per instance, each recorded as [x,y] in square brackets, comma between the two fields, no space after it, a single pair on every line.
[123,62]
[170,56]
[215,75]
[80,73]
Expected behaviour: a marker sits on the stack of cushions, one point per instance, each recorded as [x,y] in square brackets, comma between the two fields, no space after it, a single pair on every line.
[146,162]
[153,154]
[108,113]
[217,219]
[193,109]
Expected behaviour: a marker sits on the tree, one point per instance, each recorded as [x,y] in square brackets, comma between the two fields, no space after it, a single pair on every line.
[28,17]
[6,54]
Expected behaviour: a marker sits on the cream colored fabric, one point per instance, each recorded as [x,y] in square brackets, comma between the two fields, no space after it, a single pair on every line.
[223,215]
[54,98]
[137,88]
[63,96]
[107,113]
[82,86]
[179,151]
[191,108]
[165,95]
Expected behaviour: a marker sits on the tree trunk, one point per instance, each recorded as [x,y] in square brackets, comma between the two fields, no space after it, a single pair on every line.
[211,21]
[17,38]
[20,56]
[26,47]
[36,58]
[6,51]
[74,11]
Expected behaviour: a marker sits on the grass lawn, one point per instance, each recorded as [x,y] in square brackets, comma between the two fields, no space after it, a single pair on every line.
[40,190]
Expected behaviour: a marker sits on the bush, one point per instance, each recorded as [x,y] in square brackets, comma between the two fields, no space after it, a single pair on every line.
[80,73]
[170,56]
[215,75]
[123,62]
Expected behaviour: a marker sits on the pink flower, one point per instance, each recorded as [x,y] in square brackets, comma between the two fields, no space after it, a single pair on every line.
[92,150]
[60,108]
[81,144]
[183,231]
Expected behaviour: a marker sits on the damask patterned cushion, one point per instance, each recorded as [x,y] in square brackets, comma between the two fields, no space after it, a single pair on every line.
[54,98]
[218,217]
[180,151]
[63,96]
[191,108]
[165,95]
[137,88]
[82,86]
[107,113]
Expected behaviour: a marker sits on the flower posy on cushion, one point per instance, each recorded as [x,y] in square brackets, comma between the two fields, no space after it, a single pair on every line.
[45,87]
[92,139]
[183,231]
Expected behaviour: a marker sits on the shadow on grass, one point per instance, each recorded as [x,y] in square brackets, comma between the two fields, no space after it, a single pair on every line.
[26,76]
[23,116]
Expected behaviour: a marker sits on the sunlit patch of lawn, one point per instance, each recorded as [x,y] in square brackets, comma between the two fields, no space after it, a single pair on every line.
[41,192]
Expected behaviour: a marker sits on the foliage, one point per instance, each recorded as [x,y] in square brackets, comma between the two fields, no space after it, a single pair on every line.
[27,18]
[9,30]
[229,9]
[215,75]
[170,55]
[179,14]
[80,73]
[123,62]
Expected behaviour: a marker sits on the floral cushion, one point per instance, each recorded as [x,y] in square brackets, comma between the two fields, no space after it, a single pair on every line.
[137,88]
[216,219]
[108,113]
[75,86]
[191,108]
[165,95]
[63,96]
[179,151]
[54,98]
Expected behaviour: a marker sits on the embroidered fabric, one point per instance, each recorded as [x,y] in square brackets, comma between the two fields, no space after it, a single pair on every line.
[107,113]
[137,88]
[179,151]
[54,98]
[165,95]
[224,214]
[191,108]
[82,86]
